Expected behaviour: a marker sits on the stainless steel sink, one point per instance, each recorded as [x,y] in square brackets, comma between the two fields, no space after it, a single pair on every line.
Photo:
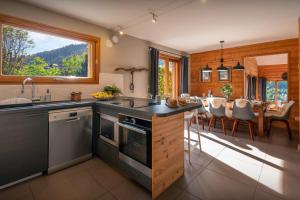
[15,102]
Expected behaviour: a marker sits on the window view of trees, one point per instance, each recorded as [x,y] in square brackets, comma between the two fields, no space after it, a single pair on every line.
[163,74]
[21,55]
[277,91]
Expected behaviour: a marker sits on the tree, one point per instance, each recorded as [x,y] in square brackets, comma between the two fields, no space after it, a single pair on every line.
[16,42]
[74,65]
[37,68]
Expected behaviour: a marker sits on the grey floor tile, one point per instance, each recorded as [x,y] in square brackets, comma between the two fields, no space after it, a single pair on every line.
[130,190]
[212,185]
[19,192]
[275,181]
[107,196]
[171,193]
[85,185]
[191,170]
[187,196]
[261,195]
[54,186]
[108,177]
[243,173]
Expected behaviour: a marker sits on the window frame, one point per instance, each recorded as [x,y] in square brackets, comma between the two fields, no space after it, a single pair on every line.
[276,91]
[94,53]
[175,76]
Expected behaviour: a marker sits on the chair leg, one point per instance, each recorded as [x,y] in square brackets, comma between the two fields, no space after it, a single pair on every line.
[215,122]
[198,133]
[250,125]
[234,128]
[210,122]
[289,129]
[269,129]
[189,140]
[223,125]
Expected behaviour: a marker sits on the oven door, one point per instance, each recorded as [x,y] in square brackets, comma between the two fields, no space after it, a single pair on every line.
[109,129]
[135,147]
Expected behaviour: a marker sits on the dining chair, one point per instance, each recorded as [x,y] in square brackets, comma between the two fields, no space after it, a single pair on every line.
[188,116]
[243,111]
[281,116]
[204,114]
[217,110]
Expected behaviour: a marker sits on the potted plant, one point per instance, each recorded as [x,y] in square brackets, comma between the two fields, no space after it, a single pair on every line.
[112,89]
[226,90]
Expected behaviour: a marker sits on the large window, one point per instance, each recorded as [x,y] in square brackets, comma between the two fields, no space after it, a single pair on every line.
[277,91]
[47,54]
[168,76]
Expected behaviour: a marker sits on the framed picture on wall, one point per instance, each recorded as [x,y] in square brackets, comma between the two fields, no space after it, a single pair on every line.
[224,75]
[205,76]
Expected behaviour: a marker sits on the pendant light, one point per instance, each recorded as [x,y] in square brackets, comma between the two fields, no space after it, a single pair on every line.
[207,69]
[238,66]
[222,67]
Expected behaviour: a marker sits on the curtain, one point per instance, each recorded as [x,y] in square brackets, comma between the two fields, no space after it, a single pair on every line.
[248,85]
[184,78]
[253,88]
[154,59]
[262,88]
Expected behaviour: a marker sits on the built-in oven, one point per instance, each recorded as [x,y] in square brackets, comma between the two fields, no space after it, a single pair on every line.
[109,131]
[135,143]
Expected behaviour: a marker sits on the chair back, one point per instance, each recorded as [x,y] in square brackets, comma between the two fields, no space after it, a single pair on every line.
[242,110]
[217,106]
[287,110]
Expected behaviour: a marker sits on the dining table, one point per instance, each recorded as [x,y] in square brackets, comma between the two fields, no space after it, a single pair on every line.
[258,107]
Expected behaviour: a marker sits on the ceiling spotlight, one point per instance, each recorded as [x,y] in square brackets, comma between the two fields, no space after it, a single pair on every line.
[120,30]
[154,17]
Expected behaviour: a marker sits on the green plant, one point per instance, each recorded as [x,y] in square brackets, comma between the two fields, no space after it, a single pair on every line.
[112,89]
[226,90]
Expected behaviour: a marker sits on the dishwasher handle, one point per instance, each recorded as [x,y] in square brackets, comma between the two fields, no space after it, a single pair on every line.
[72,119]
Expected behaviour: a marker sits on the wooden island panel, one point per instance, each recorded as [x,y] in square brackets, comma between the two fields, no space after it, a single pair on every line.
[167,151]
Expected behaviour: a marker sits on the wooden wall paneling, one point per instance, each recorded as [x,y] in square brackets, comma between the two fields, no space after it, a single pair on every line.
[167,152]
[299,78]
[272,72]
[289,46]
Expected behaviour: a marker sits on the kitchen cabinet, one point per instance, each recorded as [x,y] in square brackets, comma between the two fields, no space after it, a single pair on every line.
[23,145]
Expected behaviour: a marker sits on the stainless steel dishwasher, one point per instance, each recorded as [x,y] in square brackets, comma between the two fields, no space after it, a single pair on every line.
[70,137]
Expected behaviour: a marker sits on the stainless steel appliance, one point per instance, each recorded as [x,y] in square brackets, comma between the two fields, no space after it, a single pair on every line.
[70,137]
[135,143]
[109,129]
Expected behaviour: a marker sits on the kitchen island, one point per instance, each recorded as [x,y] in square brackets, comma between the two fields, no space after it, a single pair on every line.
[167,139]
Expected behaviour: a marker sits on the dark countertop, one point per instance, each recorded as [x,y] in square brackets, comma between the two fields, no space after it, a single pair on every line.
[45,106]
[160,110]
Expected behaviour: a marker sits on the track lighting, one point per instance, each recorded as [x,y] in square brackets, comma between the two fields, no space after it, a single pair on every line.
[154,17]
[120,30]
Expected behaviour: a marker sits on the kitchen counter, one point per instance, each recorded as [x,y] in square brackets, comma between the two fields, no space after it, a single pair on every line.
[45,106]
[158,110]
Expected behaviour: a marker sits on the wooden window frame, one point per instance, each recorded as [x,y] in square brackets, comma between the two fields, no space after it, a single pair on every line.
[276,91]
[94,53]
[175,76]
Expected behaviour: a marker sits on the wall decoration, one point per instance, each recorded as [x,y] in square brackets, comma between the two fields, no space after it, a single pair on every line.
[224,75]
[205,76]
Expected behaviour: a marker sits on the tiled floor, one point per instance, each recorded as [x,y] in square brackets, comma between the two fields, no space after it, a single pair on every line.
[227,168]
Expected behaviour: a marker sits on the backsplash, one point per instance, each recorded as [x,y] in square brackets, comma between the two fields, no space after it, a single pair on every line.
[62,91]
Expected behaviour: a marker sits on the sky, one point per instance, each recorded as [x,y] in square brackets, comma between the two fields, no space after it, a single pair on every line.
[45,42]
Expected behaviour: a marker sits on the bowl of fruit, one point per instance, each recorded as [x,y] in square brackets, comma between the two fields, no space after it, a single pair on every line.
[103,96]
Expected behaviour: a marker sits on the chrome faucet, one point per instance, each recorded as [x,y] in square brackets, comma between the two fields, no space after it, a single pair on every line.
[33,97]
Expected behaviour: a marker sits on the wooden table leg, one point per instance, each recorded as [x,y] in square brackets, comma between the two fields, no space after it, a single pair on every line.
[261,123]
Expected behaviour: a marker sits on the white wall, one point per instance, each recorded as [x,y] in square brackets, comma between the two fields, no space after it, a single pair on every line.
[129,51]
